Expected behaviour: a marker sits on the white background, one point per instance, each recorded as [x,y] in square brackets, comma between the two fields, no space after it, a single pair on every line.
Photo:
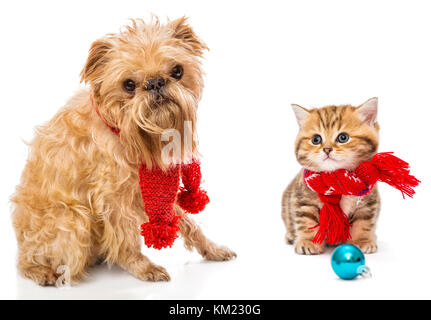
[264,56]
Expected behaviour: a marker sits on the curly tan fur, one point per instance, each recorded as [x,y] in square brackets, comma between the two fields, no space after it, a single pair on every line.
[79,199]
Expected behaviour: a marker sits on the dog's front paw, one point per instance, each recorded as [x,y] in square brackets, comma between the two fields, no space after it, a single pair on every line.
[43,276]
[367,247]
[307,247]
[154,273]
[218,253]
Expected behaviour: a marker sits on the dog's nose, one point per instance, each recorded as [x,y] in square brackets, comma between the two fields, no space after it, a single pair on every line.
[327,150]
[155,85]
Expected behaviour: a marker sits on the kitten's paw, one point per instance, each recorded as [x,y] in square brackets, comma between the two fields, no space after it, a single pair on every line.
[307,247]
[367,247]
[218,253]
[154,273]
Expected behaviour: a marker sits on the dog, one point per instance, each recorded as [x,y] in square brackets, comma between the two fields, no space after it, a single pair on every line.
[79,200]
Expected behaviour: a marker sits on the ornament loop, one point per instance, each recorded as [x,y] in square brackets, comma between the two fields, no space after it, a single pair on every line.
[364,271]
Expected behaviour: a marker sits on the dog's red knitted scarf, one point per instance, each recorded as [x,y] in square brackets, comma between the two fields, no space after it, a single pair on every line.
[334,226]
[159,190]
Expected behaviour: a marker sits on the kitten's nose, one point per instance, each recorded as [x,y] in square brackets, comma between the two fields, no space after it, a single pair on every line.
[327,150]
[155,85]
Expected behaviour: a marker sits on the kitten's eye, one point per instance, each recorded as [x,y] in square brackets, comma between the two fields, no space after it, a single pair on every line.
[316,139]
[343,138]
[177,72]
[129,86]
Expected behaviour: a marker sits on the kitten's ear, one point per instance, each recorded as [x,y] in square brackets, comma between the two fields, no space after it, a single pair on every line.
[97,58]
[182,31]
[367,111]
[300,113]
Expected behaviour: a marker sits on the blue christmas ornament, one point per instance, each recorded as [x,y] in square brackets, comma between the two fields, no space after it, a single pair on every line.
[348,262]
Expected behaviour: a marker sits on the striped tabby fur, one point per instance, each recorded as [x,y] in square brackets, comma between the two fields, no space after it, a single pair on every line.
[300,205]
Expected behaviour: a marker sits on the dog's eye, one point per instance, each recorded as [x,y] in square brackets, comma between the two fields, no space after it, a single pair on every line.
[343,138]
[129,86]
[177,72]
[316,139]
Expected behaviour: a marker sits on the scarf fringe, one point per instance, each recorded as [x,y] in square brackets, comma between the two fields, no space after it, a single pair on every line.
[334,226]
[160,235]
[192,201]
[395,172]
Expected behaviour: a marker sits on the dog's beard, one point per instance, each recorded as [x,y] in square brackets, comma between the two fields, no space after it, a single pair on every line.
[146,118]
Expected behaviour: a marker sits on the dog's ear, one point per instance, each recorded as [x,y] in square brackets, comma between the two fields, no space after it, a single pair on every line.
[182,31]
[97,58]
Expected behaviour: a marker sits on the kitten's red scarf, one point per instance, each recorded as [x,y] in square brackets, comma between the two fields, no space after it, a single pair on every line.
[334,226]
[159,190]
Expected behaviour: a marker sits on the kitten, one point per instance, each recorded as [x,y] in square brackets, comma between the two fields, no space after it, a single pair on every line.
[331,138]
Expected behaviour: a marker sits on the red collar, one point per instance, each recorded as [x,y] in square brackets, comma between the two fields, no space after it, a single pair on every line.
[114,130]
